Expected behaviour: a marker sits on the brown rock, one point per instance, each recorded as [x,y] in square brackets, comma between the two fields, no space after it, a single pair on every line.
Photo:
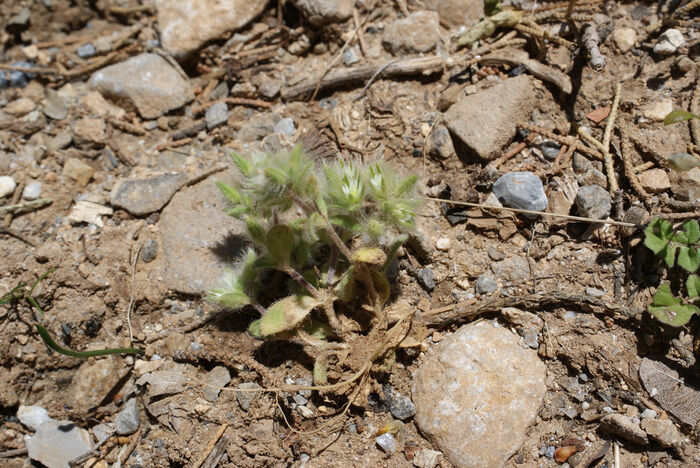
[146,82]
[78,171]
[477,393]
[20,107]
[185,25]
[662,430]
[90,130]
[654,180]
[623,426]
[418,32]
[92,382]
[457,12]
[686,185]
[322,12]
[484,123]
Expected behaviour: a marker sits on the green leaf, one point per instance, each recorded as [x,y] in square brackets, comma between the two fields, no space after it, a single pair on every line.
[44,333]
[675,315]
[681,162]
[254,328]
[393,249]
[688,259]
[664,296]
[286,314]
[243,165]
[237,211]
[347,222]
[692,231]
[229,192]
[657,235]
[280,243]
[318,329]
[692,285]
[669,254]
[491,7]
[277,175]
[679,115]
[255,230]
[680,237]
[369,256]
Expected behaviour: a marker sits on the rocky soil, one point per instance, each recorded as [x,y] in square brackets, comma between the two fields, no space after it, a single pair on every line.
[116,118]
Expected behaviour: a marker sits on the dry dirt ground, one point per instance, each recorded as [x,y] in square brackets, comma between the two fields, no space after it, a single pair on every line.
[589,285]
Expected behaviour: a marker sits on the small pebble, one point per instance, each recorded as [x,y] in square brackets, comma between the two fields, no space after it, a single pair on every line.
[485,284]
[300,400]
[594,292]
[427,278]
[547,451]
[585,405]
[32,416]
[305,412]
[7,186]
[443,243]
[593,201]
[648,414]
[245,399]
[522,190]
[216,115]
[86,51]
[127,420]
[550,149]
[149,250]
[530,338]
[351,56]
[285,127]
[669,41]
[402,407]
[387,443]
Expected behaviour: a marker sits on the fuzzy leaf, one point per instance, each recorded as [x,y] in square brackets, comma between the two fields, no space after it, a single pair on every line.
[317,329]
[237,211]
[234,299]
[254,328]
[406,185]
[692,284]
[675,315]
[286,314]
[381,286]
[277,175]
[688,258]
[280,242]
[229,192]
[681,162]
[255,230]
[679,115]
[692,231]
[369,255]
[664,296]
[242,164]
[669,254]
[346,222]
[393,249]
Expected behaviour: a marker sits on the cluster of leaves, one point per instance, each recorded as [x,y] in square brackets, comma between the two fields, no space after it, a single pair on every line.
[677,248]
[300,219]
[20,293]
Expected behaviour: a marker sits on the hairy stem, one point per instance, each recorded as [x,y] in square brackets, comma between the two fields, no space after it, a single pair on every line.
[296,276]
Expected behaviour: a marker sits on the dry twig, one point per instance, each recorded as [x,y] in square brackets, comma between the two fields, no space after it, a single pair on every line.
[591,41]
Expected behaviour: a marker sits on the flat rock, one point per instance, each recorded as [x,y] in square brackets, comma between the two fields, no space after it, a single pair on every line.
[624,39]
[661,430]
[20,107]
[593,201]
[686,185]
[7,186]
[322,12]
[456,12]
[418,32]
[514,269]
[669,41]
[186,25]
[55,107]
[658,111]
[78,171]
[143,196]
[32,416]
[90,130]
[216,115]
[484,123]
[621,425]
[521,190]
[127,420]
[91,383]
[199,239]
[654,180]
[146,82]
[440,143]
[58,442]
[476,394]
[217,377]
[245,398]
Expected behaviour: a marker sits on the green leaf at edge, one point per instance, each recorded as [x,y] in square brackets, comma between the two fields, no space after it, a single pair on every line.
[679,115]
[692,285]
[688,258]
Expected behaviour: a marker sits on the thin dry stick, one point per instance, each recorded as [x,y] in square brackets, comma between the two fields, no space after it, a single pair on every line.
[564,140]
[132,446]
[607,157]
[590,41]
[133,292]
[695,109]
[210,445]
[626,154]
[360,33]
[588,138]
[374,77]
[513,152]
[538,213]
[644,166]
[26,206]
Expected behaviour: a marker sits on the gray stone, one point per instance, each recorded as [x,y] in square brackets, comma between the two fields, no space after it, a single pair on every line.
[662,430]
[143,196]
[32,190]
[199,239]
[186,25]
[514,269]
[550,149]
[216,115]
[485,284]
[285,127]
[401,407]
[257,127]
[530,338]
[32,416]
[127,420]
[456,12]
[592,176]
[475,384]
[686,184]
[269,88]
[86,51]
[351,56]
[58,442]
[580,163]
[593,201]
[322,12]
[427,278]
[245,398]
[146,82]
[55,108]
[217,378]
[484,123]
[387,443]
[299,400]
[62,140]
[521,190]
[621,425]
[149,250]
[595,292]
[418,32]
[7,186]
[440,143]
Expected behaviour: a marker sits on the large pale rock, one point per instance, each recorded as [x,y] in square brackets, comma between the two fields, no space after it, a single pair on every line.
[146,82]
[143,196]
[92,382]
[185,25]
[322,12]
[484,123]
[58,442]
[477,393]
[457,12]
[418,32]
[199,239]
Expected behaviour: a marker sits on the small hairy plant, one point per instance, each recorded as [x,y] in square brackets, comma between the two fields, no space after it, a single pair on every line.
[331,231]
[676,247]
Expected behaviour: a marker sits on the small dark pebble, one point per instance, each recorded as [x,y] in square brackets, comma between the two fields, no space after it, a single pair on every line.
[427,278]
[92,326]
[149,250]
